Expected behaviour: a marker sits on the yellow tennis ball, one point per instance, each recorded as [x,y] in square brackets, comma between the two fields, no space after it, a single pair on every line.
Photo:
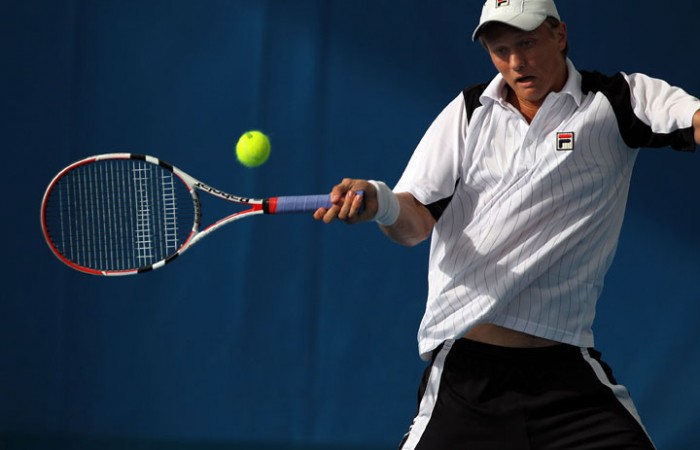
[253,148]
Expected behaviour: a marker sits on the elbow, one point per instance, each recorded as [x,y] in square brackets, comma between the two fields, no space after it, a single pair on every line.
[414,224]
[423,233]
[410,237]
[406,240]
[417,240]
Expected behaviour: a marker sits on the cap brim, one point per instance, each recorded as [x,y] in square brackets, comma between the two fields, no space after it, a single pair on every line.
[525,22]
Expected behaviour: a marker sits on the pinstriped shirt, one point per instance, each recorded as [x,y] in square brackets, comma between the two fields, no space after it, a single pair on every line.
[529,214]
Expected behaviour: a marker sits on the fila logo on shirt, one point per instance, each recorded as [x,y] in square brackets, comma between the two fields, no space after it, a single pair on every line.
[565,141]
[500,3]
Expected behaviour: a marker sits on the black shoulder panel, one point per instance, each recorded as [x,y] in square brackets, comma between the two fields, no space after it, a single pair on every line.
[471,103]
[634,132]
[471,98]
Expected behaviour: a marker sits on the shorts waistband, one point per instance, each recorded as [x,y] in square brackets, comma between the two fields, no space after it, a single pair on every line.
[550,354]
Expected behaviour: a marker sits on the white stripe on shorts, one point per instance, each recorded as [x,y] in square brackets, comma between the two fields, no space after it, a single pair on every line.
[429,399]
[621,392]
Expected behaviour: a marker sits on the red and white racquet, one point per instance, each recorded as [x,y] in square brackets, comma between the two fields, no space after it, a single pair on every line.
[123,213]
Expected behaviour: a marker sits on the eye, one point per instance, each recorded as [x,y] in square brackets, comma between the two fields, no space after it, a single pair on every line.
[501,51]
[527,43]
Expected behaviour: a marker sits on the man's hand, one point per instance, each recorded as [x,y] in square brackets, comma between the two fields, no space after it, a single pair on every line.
[412,226]
[349,206]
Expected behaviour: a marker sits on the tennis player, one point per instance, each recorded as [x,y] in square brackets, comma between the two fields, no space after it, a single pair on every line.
[522,183]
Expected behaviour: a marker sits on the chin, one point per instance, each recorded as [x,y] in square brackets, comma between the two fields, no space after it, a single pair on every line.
[532,96]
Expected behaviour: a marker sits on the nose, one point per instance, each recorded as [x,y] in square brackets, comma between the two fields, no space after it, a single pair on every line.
[517,62]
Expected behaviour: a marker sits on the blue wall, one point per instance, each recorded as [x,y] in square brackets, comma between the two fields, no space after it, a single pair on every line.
[281,329]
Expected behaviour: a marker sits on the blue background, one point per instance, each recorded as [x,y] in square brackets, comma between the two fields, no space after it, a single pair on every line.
[282,330]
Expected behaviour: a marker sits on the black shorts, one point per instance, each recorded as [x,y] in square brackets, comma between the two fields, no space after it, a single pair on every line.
[482,397]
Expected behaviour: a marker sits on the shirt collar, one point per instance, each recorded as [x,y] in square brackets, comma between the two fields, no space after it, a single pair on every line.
[496,89]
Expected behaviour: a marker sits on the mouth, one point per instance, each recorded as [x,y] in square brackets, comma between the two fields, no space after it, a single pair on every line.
[525,80]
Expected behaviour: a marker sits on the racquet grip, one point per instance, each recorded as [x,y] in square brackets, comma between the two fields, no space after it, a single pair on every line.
[299,203]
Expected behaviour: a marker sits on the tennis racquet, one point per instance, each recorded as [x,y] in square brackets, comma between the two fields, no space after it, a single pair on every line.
[124,213]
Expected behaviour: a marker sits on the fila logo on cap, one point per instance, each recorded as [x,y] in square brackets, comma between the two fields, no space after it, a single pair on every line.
[500,3]
[565,141]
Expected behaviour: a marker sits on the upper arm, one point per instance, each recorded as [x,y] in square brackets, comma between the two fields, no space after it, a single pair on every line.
[696,126]
[651,112]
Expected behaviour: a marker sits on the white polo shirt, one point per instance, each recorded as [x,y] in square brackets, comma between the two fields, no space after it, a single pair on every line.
[535,210]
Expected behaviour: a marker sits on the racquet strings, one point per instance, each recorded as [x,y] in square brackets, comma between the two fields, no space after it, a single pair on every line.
[119,214]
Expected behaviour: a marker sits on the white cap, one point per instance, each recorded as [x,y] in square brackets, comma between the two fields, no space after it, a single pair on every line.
[522,14]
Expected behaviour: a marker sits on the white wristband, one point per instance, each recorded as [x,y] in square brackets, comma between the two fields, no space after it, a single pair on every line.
[387,204]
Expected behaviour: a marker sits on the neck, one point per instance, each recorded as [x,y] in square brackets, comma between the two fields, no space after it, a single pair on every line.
[527,109]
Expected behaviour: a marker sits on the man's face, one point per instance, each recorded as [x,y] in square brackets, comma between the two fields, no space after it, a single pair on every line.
[531,62]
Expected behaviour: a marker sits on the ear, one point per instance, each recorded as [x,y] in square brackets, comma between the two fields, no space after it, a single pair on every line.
[562,36]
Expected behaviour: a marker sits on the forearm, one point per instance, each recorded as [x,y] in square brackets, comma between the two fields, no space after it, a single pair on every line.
[414,223]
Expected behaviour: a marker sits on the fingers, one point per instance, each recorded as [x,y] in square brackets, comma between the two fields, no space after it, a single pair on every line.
[347,205]
[346,209]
